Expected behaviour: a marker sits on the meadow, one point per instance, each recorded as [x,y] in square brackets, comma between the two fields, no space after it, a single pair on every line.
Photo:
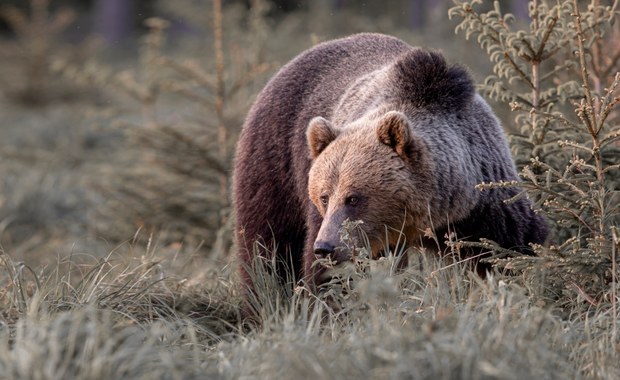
[116,229]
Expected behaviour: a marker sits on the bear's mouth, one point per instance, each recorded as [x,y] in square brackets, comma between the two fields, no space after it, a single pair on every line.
[343,254]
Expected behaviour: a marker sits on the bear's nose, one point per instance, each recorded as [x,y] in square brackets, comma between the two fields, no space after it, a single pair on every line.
[323,249]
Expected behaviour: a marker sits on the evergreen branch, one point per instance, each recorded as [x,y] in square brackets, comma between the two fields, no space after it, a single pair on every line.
[589,116]
[515,97]
[522,100]
[552,74]
[485,244]
[611,138]
[571,186]
[553,51]
[575,145]
[520,194]
[191,70]
[547,190]
[584,111]
[579,219]
[187,93]
[538,56]
[514,65]
[611,167]
[188,141]
[559,117]
[607,110]
[555,98]
[608,103]
[527,57]
[127,82]
[497,37]
[562,44]
[495,185]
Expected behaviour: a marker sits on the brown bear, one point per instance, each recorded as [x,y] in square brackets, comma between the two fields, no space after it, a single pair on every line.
[369,128]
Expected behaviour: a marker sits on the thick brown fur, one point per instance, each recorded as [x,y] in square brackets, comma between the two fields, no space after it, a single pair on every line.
[369,128]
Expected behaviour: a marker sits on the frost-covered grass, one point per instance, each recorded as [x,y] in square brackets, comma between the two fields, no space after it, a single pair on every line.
[135,318]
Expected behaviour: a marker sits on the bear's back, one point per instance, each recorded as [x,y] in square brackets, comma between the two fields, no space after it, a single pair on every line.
[312,83]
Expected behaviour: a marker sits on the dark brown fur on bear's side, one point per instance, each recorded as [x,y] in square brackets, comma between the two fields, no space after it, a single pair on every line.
[397,127]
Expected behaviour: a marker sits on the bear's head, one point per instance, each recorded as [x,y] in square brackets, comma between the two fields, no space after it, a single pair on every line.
[375,171]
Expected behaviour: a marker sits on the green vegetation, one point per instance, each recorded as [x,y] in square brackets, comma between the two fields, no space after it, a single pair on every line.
[116,234]
[560,82]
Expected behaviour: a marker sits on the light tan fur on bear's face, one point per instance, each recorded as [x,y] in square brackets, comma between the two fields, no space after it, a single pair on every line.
[373,171]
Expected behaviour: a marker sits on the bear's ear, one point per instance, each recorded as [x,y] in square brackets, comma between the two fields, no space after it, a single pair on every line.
[393,131]
[320,134]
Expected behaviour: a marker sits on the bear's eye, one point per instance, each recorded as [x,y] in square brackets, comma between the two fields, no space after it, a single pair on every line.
[352,200]
[324,199]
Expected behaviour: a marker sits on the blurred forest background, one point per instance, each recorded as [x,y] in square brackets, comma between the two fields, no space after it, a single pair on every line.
[119,117]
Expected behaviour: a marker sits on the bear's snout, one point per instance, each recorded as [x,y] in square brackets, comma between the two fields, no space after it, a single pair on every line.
[328,250]
[322,249]
[328,243]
